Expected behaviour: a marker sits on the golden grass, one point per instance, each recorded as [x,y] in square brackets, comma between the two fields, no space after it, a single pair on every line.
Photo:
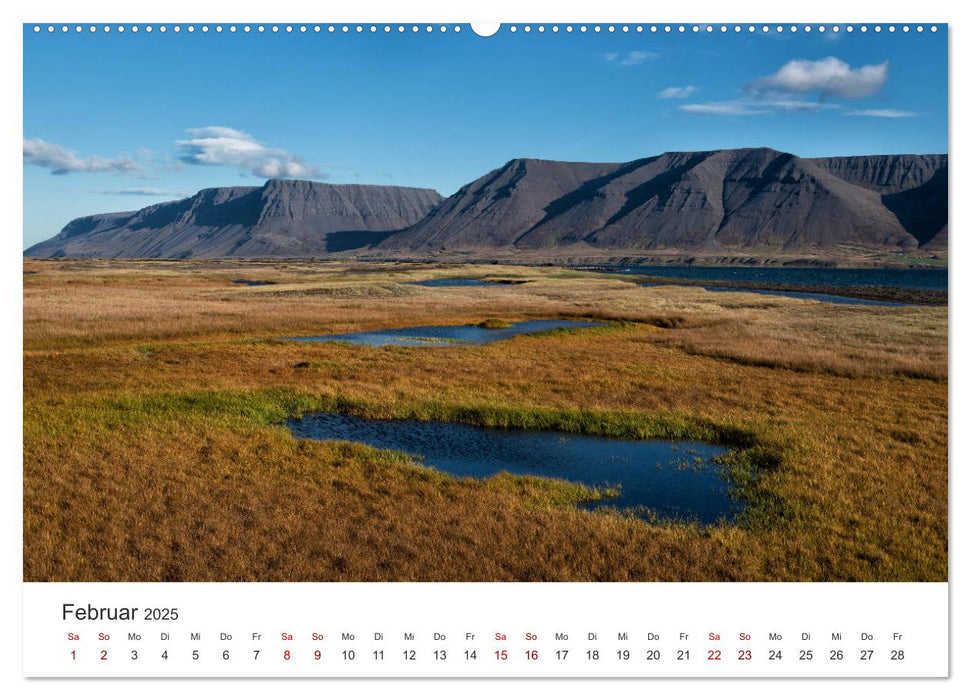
[123,482]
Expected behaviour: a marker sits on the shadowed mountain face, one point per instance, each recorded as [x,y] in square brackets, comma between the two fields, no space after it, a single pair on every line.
[913,187]
[739,200]
[746,200]
[284,218]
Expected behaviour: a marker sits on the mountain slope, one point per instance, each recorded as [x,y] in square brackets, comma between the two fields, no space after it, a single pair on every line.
[913,187]
[733,200]
[286,218]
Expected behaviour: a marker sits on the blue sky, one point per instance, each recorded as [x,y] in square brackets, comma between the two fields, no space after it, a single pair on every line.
[115,122]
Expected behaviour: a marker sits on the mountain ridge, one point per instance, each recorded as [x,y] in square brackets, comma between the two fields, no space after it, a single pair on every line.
[720,202]
[714,201]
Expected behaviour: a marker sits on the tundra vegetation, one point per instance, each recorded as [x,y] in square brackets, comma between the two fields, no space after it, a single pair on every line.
[155,449]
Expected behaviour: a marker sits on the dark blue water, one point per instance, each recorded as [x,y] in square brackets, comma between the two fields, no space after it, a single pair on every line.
[671,479]
[829,298]
[904,278]
[252,283]
[445,335]
[459,282]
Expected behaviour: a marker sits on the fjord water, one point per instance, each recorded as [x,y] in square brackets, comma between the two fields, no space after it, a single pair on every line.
[445,335]
[671,479]
[904,278]
[462,282]
[252,283]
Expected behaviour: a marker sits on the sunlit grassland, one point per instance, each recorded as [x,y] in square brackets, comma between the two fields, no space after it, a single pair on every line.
[155,395]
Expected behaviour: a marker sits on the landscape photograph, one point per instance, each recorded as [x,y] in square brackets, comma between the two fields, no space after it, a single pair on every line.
[562,303]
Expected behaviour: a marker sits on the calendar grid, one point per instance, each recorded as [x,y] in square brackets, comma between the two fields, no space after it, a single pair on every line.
[486,630]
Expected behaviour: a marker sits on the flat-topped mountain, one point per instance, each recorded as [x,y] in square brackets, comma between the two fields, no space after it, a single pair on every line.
[748,201]
[283,218]
[734,200]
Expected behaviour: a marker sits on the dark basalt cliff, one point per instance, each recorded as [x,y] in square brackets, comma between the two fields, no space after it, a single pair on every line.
[733,200]
[913,187]
[283,218]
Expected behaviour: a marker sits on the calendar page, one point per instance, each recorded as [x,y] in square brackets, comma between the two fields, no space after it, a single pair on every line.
[527,349]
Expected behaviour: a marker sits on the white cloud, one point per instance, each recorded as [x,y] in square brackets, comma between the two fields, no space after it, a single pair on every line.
[797,105]
[884,113]
[218,132]
[735,108]
[802,86]
[220,145]
[749,106]
[145,192]
[62,161]
[631,58]
[677,93]
[827,76]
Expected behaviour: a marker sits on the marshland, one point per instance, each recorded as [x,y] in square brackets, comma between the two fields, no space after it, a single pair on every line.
[159,399]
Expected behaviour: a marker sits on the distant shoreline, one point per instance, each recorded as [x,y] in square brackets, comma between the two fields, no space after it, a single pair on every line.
[532,259]
[874,292]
